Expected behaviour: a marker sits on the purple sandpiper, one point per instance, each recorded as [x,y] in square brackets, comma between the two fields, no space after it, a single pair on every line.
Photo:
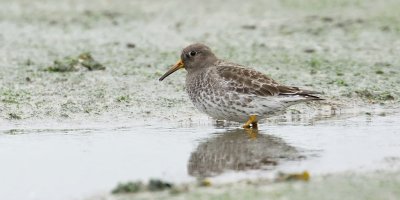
[229,91]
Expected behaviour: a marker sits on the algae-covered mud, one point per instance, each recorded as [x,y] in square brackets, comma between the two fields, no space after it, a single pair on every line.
[81,107]
[346,49]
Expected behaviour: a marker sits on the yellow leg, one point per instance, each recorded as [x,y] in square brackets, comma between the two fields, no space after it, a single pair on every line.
[252,122]
[253,133]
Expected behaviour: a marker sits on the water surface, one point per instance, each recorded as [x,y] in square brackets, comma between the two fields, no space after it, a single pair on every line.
[77,163]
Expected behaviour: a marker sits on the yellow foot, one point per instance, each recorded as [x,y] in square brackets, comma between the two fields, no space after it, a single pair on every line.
[251,123]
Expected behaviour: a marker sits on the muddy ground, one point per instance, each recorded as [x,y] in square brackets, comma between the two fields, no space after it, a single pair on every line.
[346,49]
[349,50]
[377,185]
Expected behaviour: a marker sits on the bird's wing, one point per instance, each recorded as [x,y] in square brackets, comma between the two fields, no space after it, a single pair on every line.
[248,81]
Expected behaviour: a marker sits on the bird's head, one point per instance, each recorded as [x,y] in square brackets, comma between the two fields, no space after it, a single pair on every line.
[195,56]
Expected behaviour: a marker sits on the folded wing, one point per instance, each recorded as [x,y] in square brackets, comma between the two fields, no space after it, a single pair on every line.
[248,81]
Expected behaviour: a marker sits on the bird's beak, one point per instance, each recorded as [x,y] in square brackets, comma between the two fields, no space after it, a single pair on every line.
[176,67]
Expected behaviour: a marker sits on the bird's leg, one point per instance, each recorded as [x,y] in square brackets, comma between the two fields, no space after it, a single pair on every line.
[254,125]
[253,133]
[252,122]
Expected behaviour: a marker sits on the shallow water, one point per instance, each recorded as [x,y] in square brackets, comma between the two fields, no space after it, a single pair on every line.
[77,163]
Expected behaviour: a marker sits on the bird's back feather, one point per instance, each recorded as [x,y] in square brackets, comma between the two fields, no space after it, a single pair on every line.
[248,81]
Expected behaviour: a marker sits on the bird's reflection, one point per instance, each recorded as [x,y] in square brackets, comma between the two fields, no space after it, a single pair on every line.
[238,150]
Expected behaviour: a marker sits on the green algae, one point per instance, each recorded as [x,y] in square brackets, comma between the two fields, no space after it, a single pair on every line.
[128,187]
[66,64]
[123,98]
[87,60]
[376,96]
[158,185]
[14,96]
[14,116]
[71,64]
[154,185]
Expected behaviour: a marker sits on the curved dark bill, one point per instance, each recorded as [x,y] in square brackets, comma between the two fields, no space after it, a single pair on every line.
[176,67]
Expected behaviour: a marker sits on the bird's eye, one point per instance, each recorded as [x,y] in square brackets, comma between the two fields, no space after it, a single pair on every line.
[192,53]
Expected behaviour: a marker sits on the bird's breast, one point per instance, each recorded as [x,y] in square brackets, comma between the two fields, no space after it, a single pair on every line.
[212,98]
[203,90]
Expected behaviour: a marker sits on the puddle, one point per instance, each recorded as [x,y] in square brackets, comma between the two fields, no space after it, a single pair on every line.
[77,163]
[239,150]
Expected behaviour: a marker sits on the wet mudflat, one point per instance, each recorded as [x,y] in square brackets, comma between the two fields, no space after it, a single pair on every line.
[81,107]
[78,163]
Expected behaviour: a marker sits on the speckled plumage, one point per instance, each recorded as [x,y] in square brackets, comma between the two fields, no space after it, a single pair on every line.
[229,91]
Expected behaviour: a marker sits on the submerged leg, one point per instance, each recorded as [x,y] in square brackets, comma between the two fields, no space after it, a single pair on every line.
[254,125]
[252,122]
[253,132]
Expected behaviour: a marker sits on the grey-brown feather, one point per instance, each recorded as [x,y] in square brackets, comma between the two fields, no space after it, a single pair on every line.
[248,81]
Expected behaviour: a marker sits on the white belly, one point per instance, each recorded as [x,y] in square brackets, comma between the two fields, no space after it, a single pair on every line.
[238,107]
